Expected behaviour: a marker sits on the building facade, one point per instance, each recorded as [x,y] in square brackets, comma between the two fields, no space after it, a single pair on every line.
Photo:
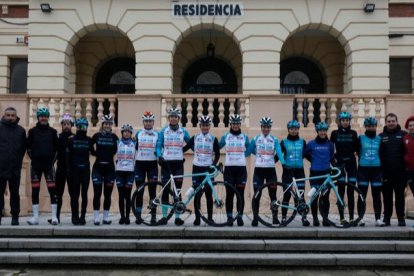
[308,59]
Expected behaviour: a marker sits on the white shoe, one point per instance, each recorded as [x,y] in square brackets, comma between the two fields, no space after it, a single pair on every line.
[96,219]
[379,223]
[54,219]
[361,223]
[35,219]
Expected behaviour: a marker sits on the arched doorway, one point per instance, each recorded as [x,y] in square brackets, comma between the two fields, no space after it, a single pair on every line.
[300,75]
[116,76]
[209,75]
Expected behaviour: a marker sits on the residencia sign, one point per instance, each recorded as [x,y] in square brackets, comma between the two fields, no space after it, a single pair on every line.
[207,9]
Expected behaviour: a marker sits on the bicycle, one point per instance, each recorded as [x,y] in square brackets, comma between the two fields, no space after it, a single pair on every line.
[150,210]
[265,208]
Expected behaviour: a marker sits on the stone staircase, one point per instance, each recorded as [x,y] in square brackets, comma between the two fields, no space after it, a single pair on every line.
[190,246]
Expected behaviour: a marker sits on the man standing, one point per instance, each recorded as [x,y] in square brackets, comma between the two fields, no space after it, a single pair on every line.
[12,149]
[392,162]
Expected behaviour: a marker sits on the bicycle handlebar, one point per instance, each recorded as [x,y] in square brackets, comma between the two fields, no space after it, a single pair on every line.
[338,172]
[216,170]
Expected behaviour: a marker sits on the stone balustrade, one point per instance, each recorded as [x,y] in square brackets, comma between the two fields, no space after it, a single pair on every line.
[91,106]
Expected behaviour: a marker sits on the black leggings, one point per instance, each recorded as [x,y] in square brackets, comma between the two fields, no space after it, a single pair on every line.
[79,184]
[36,175]
[97,192]
[124,200]
[376,198]
[61,178]
[230,199]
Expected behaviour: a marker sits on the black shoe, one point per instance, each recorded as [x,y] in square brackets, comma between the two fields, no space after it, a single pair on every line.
[316,222]
[163,221]
[387,222]
[305,222]
[107,222]
[138,221]
[82,220]
[401,223]
[127,221]
[14,221]
[178,221]
[49,221]
[230,222]
[326,223]
[197,222]
[255,222]
[122,220]
[276,220]
[240,221]
[75,220]
[153,219]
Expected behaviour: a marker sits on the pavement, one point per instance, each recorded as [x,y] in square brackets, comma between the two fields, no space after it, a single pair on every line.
[188,222]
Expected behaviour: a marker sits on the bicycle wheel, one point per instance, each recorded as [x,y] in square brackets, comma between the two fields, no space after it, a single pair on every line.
[146,201]
[331,214]
[213,210]
[267,211]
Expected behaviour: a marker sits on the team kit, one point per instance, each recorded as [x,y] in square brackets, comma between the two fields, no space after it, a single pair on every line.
[383,161]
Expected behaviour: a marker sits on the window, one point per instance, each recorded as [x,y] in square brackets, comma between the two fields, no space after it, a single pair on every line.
[400,75]
[18,75]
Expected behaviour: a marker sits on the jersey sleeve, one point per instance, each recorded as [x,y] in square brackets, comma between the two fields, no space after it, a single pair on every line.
[160,144]
[279,151]
[252,147]
[223,141]
[216,149]
[189,145]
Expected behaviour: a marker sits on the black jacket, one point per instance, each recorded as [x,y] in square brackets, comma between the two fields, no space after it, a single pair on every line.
[346,144]
[392,149]
[62,145]
[12,148]
[104,147]
[78,148]
[42,144]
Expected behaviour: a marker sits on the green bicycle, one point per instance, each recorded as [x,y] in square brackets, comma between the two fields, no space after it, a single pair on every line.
[266,205]
[154,209]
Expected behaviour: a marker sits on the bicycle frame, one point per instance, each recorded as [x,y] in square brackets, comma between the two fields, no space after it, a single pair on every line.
[297,193]
[177,192]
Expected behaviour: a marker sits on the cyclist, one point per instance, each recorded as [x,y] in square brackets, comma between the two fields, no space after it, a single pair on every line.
[125,172]
[409,152]
[369,169]
[346,144]
[103,170]
[320,152]
[146,159]
[42,144]
[236,144]
[61,176]
[267,150]
[78,168]
[170,155]
[293,148]
[206,148]
[393,172]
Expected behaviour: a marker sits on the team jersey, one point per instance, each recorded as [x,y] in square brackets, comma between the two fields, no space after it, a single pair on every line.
[265,148]
[125,155]
[369,152]
[320,152]
[170,143]
[293,152]
[205,147]
[146,145]
[236,148]
[106,147]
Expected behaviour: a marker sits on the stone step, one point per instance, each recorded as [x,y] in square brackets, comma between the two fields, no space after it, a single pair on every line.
[172,232]
[216,245]
[207,259]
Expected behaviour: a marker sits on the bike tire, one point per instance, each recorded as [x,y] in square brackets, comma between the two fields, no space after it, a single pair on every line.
[333,217]
[265,209]
[219,214]
[143,207]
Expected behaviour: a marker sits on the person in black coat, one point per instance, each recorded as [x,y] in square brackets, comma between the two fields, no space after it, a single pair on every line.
[393,169]
[12,150]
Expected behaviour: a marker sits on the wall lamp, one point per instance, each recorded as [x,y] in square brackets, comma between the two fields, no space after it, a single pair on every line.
[369,7]
[45,7]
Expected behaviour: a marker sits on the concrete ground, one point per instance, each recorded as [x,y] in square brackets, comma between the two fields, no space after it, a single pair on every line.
[202,271]
[188,221]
